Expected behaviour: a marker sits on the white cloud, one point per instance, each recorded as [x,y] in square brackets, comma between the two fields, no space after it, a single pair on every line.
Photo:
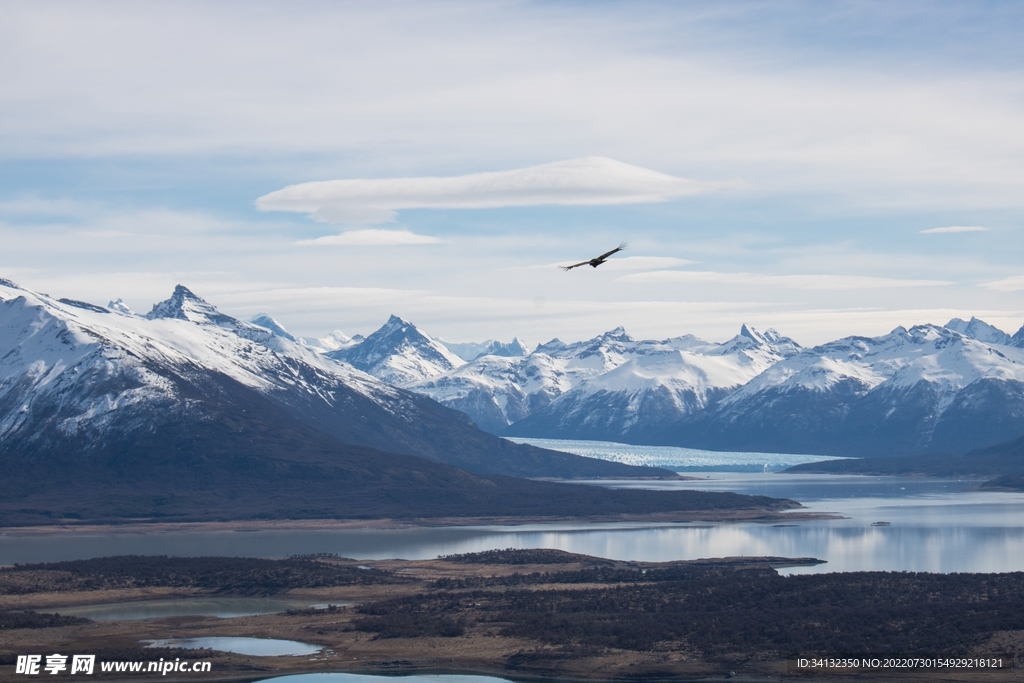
[809,282]
[621,263]
[591,181]
[372,237]
[953,229]
[1007,284]
[643,262]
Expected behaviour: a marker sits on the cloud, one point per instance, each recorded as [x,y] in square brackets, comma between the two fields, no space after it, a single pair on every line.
[953,229]
[810,282]
[372,237]
[621,263]
[644,263]
[1007,284]
[591,181]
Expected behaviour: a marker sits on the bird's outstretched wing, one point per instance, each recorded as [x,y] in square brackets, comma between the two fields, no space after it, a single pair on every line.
[605,255]
[575,265]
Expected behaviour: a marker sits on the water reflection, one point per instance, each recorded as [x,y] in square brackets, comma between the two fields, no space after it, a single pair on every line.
[936,525]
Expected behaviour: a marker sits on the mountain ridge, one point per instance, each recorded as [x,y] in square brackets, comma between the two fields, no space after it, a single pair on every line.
[78,379]
[686,392]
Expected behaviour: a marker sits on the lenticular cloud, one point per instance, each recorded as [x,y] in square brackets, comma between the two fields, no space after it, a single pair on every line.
[576,182]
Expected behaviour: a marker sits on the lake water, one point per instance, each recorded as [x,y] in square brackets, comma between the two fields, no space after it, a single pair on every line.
[256,647]
[935,525]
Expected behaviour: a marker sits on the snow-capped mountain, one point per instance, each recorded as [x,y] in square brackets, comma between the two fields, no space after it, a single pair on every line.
[399,353]
[473,350]
[978,329]
[608,387]
[267,321]
[332,342]
[910,391]
[657,383]
[489,390]
[80,381]
[1018,338]
[121,307]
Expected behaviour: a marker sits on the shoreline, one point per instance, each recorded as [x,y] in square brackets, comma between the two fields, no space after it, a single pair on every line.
[757,515]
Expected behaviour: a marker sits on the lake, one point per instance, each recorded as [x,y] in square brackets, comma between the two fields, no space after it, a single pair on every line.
[257,647]
[934,525]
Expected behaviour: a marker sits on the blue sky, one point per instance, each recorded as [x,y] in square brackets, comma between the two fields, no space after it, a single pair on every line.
[772,162]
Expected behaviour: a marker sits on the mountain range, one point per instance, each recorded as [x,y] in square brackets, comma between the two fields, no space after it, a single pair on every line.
[187,411]
[101,394]
[952,388]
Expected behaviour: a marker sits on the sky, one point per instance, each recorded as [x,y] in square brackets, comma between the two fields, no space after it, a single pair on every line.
[825,169]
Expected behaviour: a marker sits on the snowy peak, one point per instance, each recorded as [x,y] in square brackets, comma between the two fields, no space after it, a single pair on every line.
[119,306]
[472,350]
[619,334]
[752,334]
[940,356]
[399,353]
[978,329]
[184,305]
[332,342]
[266,321]
[769,343]
[1018,338]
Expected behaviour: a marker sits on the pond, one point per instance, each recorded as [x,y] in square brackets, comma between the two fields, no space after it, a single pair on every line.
[256,647]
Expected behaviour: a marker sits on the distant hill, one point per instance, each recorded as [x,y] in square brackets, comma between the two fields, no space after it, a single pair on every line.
[1004,461]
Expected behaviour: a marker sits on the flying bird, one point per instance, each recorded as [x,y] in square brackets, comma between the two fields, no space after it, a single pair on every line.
[595,262]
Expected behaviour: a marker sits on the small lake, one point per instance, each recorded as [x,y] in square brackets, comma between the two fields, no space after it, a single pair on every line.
[934,525]
[256,647]
[224,608]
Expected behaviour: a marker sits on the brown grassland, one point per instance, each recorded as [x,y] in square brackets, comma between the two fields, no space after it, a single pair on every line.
[527,615]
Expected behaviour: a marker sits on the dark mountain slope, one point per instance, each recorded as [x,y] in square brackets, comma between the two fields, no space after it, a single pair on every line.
[1002,459]
[244,457]
[75,380]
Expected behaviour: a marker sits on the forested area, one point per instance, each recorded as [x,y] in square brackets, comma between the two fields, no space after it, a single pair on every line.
[717,610]
[236,575]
